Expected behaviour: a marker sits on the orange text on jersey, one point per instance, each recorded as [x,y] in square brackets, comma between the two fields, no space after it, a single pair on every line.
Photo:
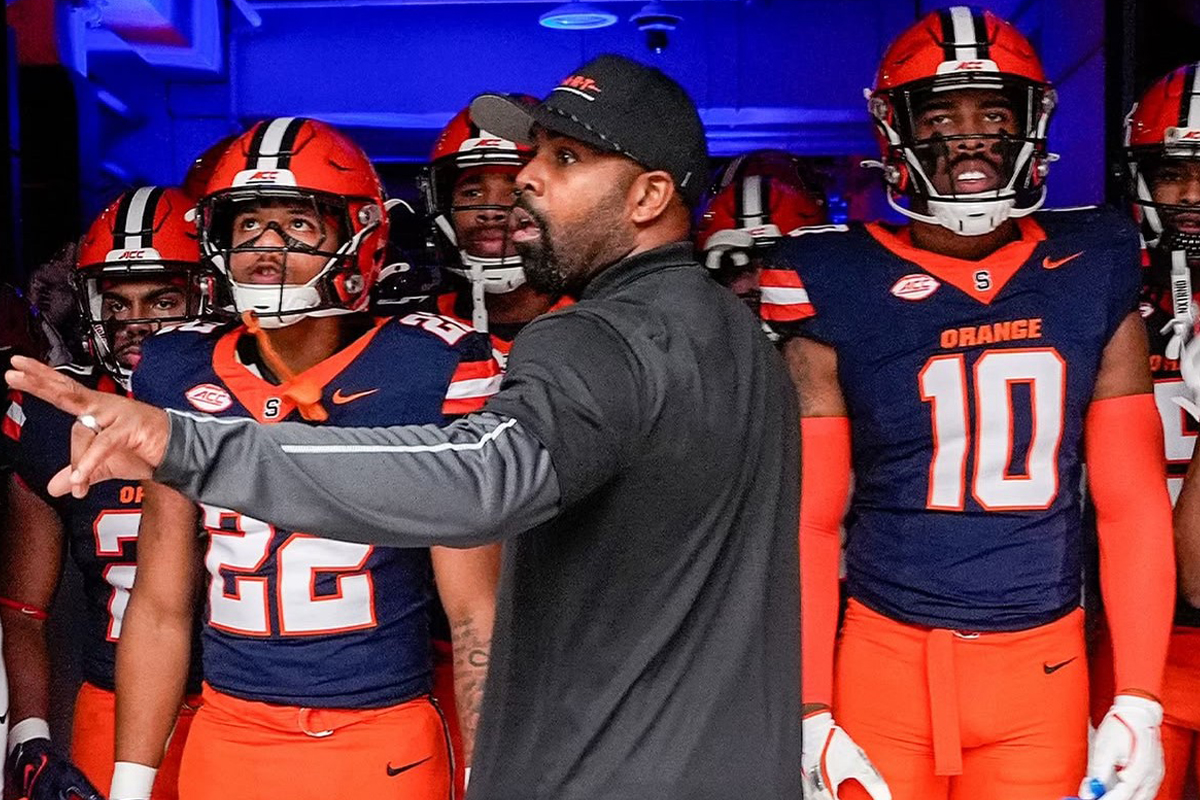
[1009,331]
[131,494]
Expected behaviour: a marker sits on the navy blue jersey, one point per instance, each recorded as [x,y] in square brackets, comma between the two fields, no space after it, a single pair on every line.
[293,618]
[1179,429]
[101,528]
[966,384]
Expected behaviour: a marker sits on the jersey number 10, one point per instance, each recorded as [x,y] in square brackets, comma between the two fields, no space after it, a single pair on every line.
[996,485]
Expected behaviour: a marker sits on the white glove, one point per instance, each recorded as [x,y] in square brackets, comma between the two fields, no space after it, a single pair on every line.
[1189,369]
[1126,754]
[829,756]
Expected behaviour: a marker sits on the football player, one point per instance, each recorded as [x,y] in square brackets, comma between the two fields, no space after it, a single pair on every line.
[965,367]
[316,653]
[138,269]
[1162,137]
[469,189]
[759,198]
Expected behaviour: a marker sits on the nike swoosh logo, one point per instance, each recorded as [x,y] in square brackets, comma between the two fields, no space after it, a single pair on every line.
[1055,263]
[340,398]
[1051,668]
[394,771]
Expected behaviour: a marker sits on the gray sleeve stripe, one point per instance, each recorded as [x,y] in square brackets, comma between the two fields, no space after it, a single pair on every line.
[401,448]
[207,418]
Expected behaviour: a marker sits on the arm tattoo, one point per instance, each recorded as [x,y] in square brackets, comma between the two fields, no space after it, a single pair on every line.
[472,649]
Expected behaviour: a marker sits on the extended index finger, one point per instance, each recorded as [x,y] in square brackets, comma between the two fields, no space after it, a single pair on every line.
[47,383]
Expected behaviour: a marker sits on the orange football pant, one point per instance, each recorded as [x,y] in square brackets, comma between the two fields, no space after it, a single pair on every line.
[443,694]
[1180,699]
[964,716]
[94,735]
[1181,712]
[258,751]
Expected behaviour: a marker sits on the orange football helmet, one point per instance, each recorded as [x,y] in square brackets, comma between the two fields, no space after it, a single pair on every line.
[463,145]
[145,234]
[958,48]
[758,198]
[1163,129]
[298,159]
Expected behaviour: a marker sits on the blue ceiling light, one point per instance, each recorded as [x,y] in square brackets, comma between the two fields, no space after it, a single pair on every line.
[577,17]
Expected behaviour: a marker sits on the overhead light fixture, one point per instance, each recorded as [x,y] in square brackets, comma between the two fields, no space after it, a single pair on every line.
[656,22]
[577,17]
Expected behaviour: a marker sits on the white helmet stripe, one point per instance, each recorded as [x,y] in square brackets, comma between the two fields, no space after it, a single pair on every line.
[268,150]
[965,40]
[753,207]
[1192,120]
[134,218]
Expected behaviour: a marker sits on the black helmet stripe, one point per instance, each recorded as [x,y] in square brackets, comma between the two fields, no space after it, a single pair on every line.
[133,229]
[271,146]
[1189,102]
[982,46]
[964,34]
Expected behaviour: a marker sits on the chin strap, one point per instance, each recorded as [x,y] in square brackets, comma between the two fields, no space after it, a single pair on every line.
[305,394]
[1181,325]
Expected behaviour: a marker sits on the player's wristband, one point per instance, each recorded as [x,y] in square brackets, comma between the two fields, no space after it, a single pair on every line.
[26,729]
[28,610]
[131,781]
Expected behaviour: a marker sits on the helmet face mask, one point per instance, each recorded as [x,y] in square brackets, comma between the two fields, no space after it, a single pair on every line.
[463,150]
[1162,162]
[179,292]
[954,59]
[281,172]
[139,268]
[282,250]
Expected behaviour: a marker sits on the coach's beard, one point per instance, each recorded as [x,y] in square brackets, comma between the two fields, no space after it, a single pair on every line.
[563,264]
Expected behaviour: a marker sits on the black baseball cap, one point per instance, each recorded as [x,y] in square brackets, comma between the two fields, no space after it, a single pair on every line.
[618,104]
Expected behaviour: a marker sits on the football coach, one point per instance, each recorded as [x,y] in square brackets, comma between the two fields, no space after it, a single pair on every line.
[640,462]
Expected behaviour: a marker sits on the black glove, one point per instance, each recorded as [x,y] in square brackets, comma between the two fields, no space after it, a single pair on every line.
[38,772]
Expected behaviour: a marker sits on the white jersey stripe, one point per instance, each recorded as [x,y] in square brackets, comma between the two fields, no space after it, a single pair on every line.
[783,295]
[16,414]
[473,387]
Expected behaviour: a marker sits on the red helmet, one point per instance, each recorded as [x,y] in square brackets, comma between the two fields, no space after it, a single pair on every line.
[145,234]
[463,145]
[1164,128]
[759,198]
[957,48]
[298,159]
[195,183]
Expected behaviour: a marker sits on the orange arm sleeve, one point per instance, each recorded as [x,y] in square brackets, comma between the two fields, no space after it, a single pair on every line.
[1127,480]
[824,488]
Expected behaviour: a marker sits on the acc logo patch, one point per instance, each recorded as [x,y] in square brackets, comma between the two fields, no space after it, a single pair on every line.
[209,397]
[915,287]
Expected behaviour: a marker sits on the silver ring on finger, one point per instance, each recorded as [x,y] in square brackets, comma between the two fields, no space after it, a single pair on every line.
[88,421]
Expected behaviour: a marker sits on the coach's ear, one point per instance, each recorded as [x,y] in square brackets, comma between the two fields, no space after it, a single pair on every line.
[651,194]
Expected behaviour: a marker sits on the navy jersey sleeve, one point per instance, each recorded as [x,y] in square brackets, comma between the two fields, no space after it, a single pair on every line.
[791,274]
[1127,269]
[146,383]
[36,439]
